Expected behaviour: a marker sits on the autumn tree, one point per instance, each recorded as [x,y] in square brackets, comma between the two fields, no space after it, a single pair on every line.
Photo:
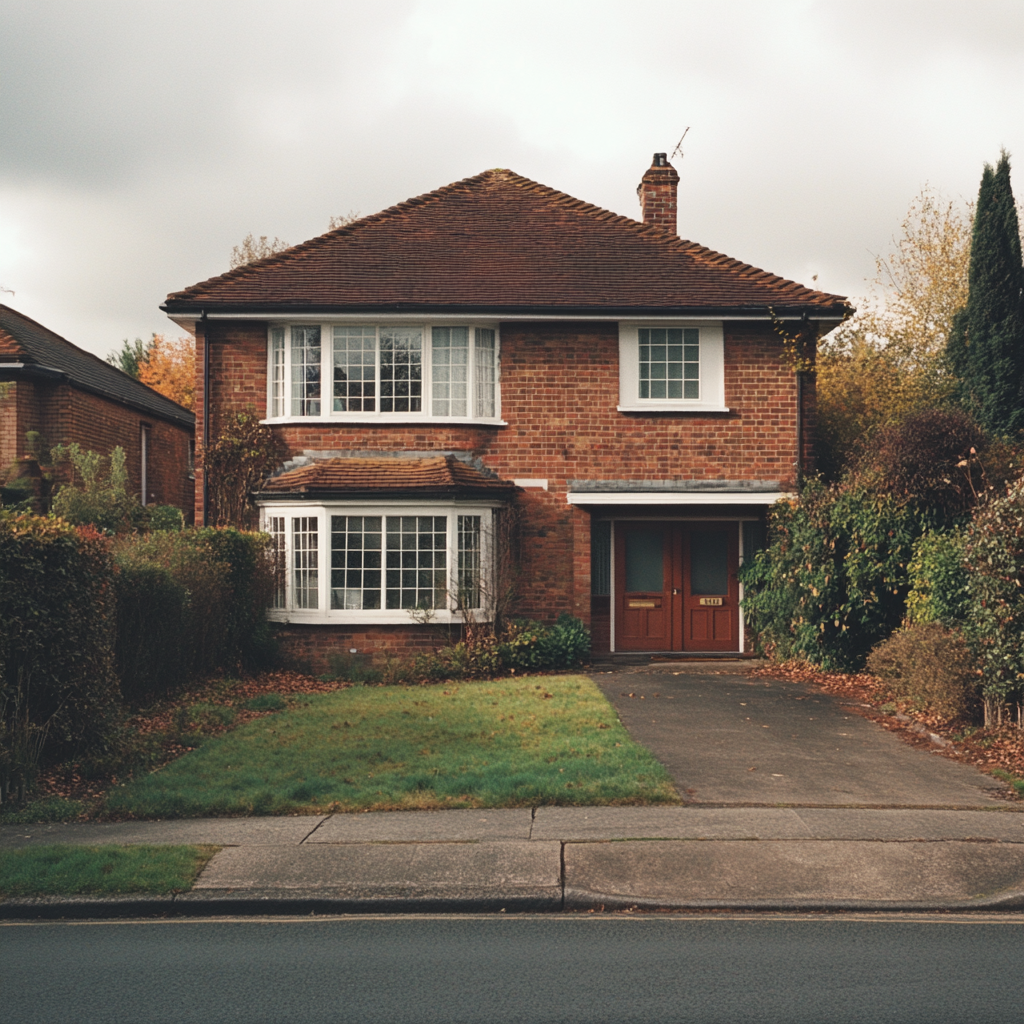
[986,344]
[888,362]
[253,249]
[170,368]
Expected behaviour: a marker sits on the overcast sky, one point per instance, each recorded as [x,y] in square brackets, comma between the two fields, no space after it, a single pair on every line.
[140,140]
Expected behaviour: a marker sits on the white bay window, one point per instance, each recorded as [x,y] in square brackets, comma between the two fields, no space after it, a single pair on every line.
[378,372]
[392,564]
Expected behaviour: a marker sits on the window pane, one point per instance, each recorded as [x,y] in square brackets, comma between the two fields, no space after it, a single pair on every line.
[355,561]
[275,527]
[277,372]
[645,571]
[305,564]
[669,362]
[355,369]
[486,372]
[416,559]
[709,562]
[305,371]
[450,370]
[469,562]
[401,369]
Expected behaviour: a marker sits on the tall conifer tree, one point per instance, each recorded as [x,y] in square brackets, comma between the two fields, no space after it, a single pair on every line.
[986,343]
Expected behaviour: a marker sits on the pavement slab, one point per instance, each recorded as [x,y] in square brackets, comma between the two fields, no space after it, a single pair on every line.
[753,874]
[511,872]
[574,824]
[732,738]
[425,826]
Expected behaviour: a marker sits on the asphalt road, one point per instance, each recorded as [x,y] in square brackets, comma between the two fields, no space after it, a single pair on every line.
[728,738]
[620,969]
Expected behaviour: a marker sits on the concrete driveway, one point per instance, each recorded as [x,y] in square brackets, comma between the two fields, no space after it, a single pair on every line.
[729,738]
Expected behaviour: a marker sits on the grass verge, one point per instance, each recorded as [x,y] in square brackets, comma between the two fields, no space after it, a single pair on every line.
[100,870]
[511,743]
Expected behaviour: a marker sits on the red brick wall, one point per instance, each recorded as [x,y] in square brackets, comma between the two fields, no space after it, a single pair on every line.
[62,414]
[559,392]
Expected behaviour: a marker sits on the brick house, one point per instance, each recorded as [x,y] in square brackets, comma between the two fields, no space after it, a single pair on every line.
[66,394]
[493,345]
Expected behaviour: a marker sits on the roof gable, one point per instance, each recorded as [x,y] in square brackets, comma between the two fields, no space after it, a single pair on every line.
[501,243]
[24,341]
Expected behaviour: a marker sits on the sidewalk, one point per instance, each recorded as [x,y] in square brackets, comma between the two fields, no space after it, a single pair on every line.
[571,859]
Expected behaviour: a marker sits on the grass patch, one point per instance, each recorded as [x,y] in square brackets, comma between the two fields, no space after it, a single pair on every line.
[91,870]
[266,702]
[47,809]
[511,743]
[1013,780]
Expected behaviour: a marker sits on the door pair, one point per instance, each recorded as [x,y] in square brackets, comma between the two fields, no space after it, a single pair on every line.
[676,587]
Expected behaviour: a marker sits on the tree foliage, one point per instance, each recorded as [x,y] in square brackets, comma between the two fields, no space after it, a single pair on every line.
[253,249]
[170,368]
[887,362]
[986,343]
[132,356]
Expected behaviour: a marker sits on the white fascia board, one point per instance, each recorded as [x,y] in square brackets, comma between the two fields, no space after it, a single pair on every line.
[486,320]
[676,497]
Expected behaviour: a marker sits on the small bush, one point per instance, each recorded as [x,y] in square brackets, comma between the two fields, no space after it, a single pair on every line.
[102,500]
[930,666]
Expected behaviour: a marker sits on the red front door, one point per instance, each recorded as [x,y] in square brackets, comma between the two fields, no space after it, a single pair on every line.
[676,587]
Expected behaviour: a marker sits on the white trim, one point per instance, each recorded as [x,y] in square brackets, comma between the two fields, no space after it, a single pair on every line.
[712,370]
[322,511]
[739,586]
[530,483]
[676,497]
[485,320]
[426,398]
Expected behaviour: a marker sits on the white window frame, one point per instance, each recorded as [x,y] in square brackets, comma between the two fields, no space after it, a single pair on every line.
[279,374]
[322,512]
[712,370]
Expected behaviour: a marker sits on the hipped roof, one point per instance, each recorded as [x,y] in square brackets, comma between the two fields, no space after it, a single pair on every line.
[35,352]
[499,243]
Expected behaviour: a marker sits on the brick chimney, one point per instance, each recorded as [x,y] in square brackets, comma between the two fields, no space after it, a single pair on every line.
[657,192]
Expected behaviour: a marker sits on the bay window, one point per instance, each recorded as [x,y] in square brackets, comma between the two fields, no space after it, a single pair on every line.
[346,563]
[379,372]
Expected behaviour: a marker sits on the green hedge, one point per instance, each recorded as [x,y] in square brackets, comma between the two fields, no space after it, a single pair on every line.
[58,684]
[833,581]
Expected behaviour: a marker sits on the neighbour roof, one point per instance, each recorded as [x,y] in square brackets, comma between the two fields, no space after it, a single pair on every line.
[501,243]
[46,355]
[432,477]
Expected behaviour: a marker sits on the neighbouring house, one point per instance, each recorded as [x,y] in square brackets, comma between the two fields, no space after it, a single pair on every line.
[64,394]
[497,354]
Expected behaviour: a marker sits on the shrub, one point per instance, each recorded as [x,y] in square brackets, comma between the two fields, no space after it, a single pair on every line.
[58,686]
[930,666]
[103,500]
[833,581]
[938,579]
[993,617]
[928,459]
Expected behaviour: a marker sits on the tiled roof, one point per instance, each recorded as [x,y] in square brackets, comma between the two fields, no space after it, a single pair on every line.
[431,477]
[500,243]
[42,352]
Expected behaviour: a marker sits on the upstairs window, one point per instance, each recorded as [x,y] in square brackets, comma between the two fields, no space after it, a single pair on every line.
[420,372]
[671,368]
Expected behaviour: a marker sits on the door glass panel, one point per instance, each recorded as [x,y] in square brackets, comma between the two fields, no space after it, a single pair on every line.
[709,562]
[644,562]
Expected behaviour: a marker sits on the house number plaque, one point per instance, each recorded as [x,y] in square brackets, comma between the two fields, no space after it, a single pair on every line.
[714,602]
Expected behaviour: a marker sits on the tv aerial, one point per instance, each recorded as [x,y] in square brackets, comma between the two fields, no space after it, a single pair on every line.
[679,146]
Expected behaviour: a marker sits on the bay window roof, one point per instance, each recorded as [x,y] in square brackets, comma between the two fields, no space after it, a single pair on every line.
[433,477]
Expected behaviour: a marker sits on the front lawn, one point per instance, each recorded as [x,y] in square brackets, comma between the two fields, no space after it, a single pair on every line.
[100,870]
[511,743]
